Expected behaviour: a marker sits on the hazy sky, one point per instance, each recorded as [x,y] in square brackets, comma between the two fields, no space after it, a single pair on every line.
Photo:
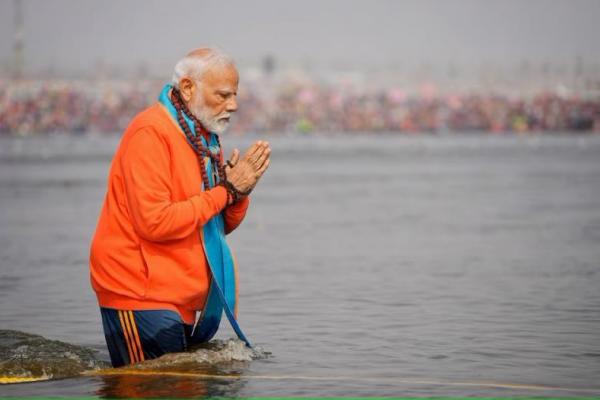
[76,34]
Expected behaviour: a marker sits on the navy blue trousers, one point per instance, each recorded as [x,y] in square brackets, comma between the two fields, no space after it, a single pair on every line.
[135,336]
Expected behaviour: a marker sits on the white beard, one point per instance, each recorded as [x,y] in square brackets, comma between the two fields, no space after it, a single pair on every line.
[217,124]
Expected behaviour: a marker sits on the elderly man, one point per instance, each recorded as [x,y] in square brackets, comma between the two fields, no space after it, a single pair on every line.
[159,262]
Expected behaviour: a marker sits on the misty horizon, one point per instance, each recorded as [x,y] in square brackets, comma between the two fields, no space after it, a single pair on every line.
[407,38]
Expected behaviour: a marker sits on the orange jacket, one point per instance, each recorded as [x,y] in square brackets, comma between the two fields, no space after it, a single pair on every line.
[147,251]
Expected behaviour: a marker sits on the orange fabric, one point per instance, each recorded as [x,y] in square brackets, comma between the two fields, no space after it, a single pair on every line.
[147,251]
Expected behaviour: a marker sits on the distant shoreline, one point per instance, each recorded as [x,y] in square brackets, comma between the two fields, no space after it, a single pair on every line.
[304,107]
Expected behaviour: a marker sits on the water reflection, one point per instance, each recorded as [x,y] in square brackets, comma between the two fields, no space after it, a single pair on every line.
[160,384]
[210,369]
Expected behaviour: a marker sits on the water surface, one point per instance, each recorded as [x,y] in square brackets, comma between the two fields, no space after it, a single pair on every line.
[370,265]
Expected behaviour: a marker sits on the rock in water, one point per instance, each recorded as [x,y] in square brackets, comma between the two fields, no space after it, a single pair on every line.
[24,356]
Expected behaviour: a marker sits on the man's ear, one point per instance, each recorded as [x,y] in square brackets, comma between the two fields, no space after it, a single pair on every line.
[186,88]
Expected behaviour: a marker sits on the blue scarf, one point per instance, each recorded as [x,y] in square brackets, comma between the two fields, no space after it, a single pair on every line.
[222,294]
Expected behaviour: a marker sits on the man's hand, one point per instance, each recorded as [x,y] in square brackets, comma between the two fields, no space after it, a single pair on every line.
[244,173]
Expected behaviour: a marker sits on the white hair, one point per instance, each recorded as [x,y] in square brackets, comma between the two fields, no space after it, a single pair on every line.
[193,66]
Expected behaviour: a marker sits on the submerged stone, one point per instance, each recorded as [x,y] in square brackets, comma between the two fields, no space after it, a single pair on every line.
[24,356]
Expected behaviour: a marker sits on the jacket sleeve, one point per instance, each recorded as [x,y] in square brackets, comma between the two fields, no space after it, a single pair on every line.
[147,175]
[235,213]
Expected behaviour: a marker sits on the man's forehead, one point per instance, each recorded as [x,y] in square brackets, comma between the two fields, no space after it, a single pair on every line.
[221,75]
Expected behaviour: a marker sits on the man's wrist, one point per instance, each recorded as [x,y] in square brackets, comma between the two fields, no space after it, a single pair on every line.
[231,195]
[230,199]
[234,192]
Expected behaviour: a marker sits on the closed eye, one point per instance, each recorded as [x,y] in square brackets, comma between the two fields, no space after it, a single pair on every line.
[225,95]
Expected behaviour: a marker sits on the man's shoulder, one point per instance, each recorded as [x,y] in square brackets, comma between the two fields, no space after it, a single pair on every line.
[152,118]
[148,128]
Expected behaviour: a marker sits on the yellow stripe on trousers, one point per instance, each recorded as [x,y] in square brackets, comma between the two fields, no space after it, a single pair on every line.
[126,335]
[131,337]
[136,336]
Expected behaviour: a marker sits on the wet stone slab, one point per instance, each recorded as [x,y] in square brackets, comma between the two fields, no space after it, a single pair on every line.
[24,355]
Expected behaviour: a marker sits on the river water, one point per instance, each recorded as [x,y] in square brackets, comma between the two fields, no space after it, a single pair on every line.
[369,265]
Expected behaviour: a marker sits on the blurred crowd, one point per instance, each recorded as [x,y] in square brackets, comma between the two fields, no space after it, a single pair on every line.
[37,107]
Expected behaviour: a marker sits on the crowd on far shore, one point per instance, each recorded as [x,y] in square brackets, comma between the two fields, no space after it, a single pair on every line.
[38,107]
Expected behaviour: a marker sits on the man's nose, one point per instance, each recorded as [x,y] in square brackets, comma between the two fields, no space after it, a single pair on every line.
[232,104]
